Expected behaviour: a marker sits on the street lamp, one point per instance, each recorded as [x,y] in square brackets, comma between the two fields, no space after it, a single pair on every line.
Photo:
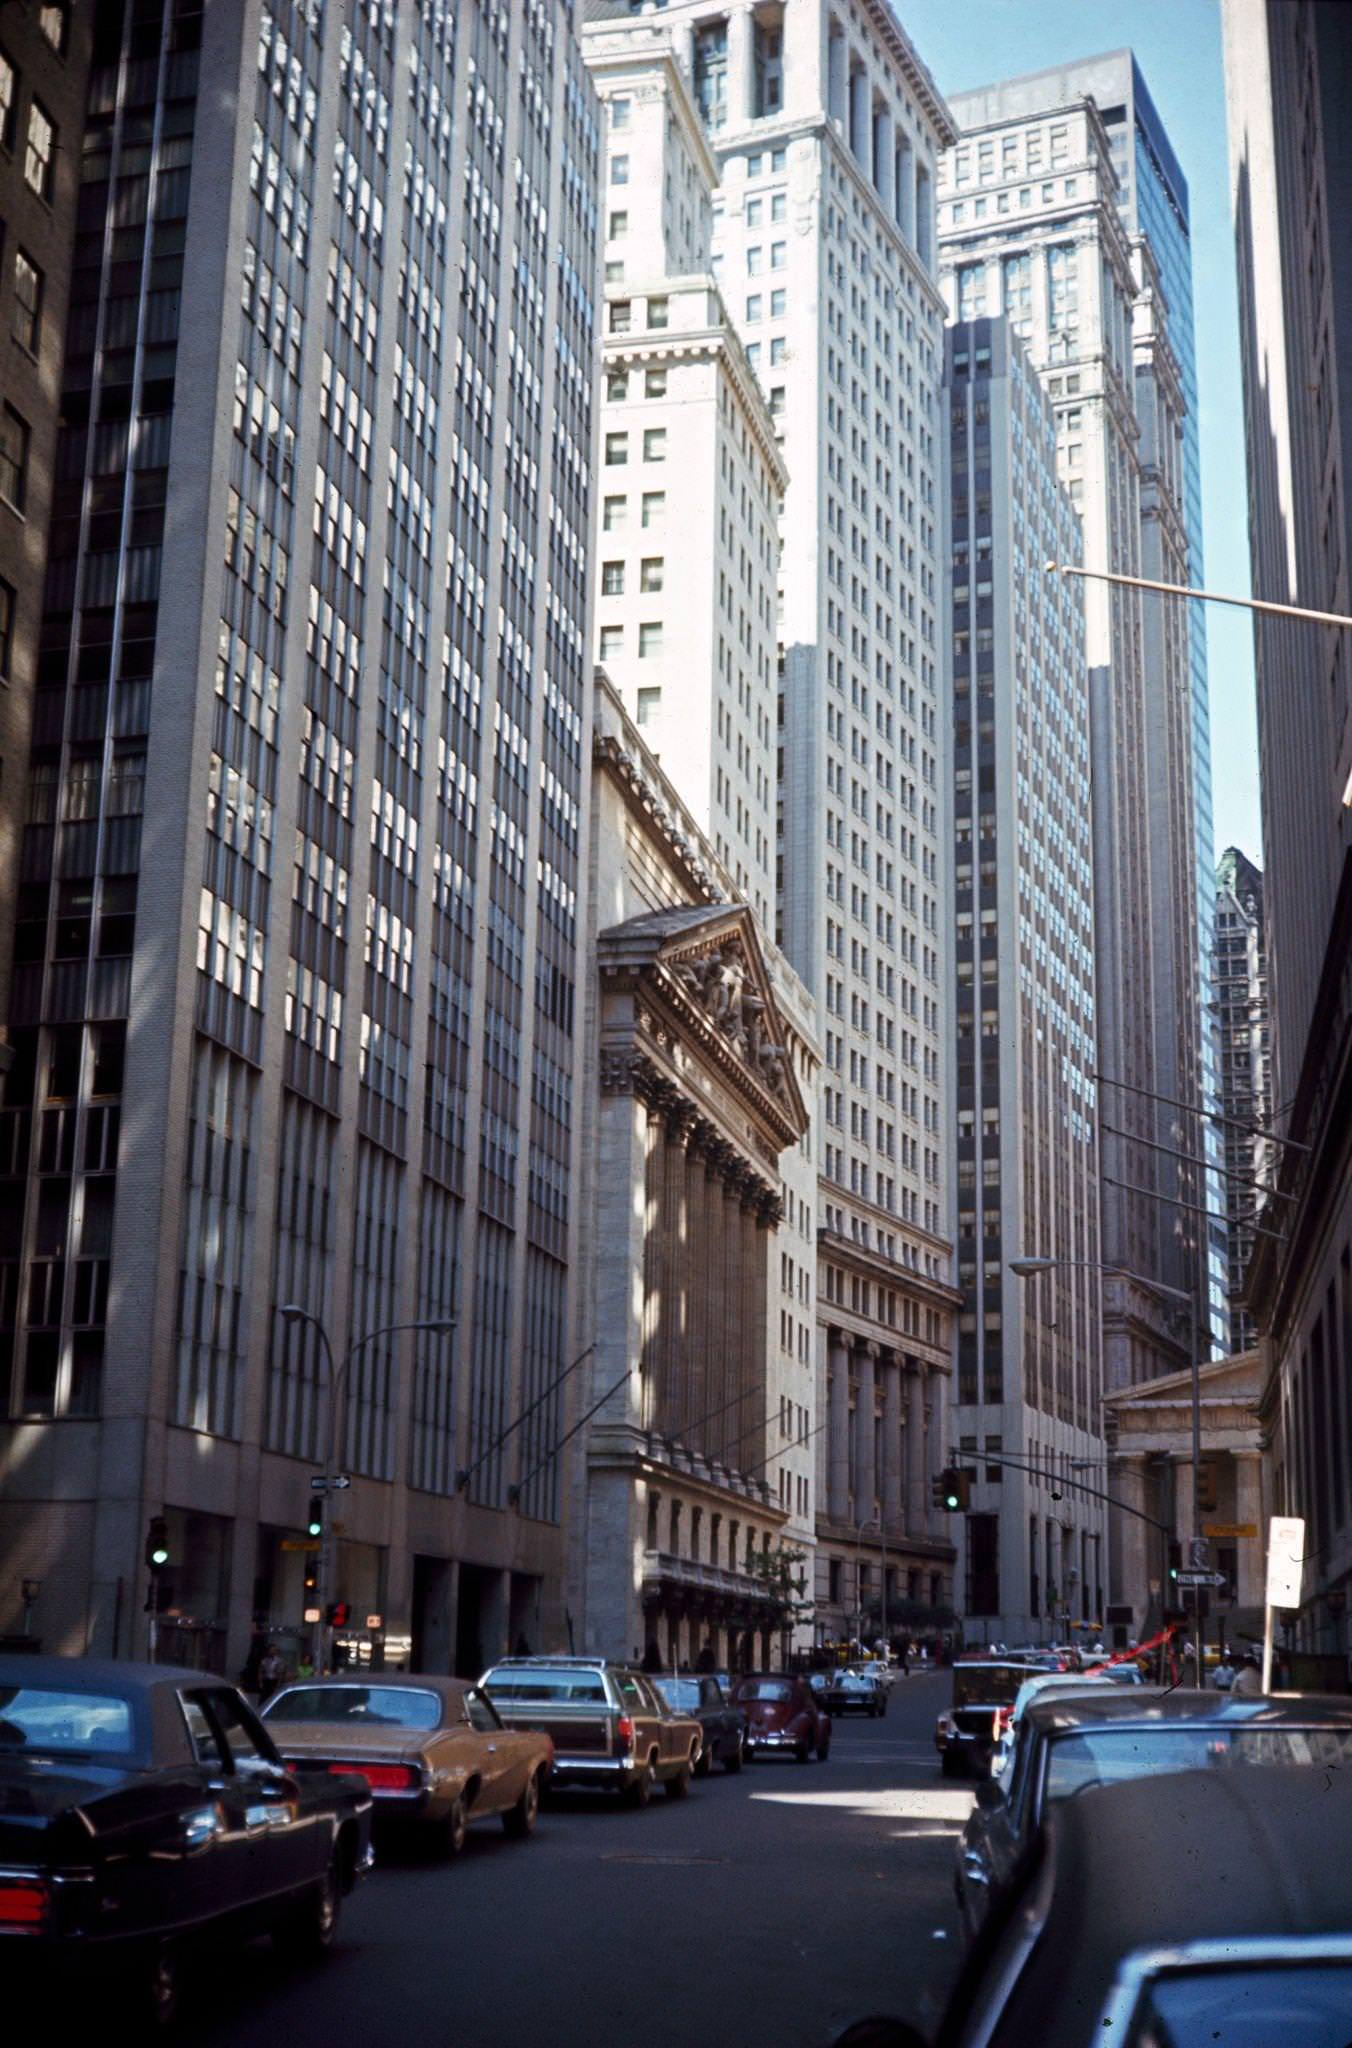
[869,1522]
[1030,1268]
[293,1312]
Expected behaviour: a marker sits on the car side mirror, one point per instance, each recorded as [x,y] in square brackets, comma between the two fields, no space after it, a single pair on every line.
[989,1794]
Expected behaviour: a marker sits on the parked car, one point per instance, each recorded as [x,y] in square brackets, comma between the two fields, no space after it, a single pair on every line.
[783,1717]
[143,1809]
[858,1692]
[607,1725]
[886,1674]
[984,1690]
[700,1697]
[1035,1688]
[432,1750]
[1075,1957]
[1096,1735]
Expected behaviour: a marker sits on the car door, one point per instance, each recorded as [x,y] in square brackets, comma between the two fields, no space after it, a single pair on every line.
[288,1836]
[502,1754]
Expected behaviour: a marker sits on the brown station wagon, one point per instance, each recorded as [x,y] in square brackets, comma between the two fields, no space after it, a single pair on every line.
[608,1725]
[432,1750]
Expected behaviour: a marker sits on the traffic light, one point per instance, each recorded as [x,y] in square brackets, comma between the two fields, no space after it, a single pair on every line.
[340,1613]
[951,1490]
[1175,1561]
[157,1543]
[315,1526]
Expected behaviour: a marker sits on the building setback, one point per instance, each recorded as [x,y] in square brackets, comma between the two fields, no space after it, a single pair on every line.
[1030,1366]
[296,1020]
[1034,223]
[44,68]
[826,128]
[1288,73]
[1240,992]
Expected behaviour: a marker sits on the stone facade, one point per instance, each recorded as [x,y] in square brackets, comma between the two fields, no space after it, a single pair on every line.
[695,1091]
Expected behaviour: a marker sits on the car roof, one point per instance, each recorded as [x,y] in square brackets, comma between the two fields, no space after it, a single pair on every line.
[364,1680]
[1093,1705]
[100,1674]
[1265,1829]
[560,1663]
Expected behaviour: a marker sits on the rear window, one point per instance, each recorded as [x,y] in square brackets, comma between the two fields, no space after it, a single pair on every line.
[1111,1756]
[543,1684]
[764,1689]
[1248,2006]
[64,1723]
[680,1694]
[988,1685]
[366,1706]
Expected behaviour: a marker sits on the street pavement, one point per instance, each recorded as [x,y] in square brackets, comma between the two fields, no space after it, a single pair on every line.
[766,1911]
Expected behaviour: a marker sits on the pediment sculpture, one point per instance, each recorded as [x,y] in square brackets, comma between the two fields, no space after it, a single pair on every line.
[722,983]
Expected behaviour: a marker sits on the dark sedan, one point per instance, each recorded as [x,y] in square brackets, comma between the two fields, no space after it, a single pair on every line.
[783,1717]
[143,1809]
[1189,1909]
[1098,1735]
[855,1692]
[701,1698]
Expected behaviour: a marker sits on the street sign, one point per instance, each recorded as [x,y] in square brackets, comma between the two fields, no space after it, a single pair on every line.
[1202,1579]
[1229,1532]
[1286,1556]
[298,1543]
[337,1484]
[318,1483]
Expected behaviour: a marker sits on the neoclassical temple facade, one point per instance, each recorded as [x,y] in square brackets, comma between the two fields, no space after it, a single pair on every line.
[696,1094]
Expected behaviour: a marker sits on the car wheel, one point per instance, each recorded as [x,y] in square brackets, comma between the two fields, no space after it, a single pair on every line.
[454,1826]
[803,1753]
[519,1820]
[309,1928]
[679,1786]
[948,1765]
[156,1991]
[738,1756]
[640,1791]
[704,1762]
[823,1746]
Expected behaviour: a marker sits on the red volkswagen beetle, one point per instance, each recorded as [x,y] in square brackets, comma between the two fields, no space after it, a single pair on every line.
[782,1717]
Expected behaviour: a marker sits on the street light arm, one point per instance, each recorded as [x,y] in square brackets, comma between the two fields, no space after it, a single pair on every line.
[1247,604]
[1040,1471]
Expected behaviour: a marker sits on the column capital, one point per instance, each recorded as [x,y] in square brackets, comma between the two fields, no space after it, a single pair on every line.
[840,1339]
[870,1348]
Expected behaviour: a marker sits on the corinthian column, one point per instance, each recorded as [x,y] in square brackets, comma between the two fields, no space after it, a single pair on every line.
[917,1486]
[891,1473]
[838,1432]
[865,1472]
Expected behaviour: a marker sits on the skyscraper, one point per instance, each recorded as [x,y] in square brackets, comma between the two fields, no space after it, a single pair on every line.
[826,130]
[1037,222]
[44,67]
[1288,75]
[1240,989]
[1030,1367]
[295,1028]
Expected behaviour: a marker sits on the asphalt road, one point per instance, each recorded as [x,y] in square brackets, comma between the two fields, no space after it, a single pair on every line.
[766,1911]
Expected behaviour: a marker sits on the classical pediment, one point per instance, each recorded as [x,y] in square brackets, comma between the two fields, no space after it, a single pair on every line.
[704,963]
[1223,1382]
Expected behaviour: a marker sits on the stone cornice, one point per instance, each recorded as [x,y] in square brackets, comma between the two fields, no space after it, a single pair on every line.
[663,344]
[609,755]
[872,1266]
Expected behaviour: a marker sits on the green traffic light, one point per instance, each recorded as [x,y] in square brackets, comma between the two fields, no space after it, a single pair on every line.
[950,1500]
[316,1526]
[159,1555]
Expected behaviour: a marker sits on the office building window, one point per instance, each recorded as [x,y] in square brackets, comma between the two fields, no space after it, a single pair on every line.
[650,640]
[619,225]
[619,170]
[617,384]
[654,444]
[654,507]
[612,642]
[40,156]
[654,383]
[27,301]
[9,100]
[649,704]
[621,314]
[778,304]
[612,579]
[617,449]
[613,513]
[754,306]
[658,312]
[619,113]
[13,456]
[650,573]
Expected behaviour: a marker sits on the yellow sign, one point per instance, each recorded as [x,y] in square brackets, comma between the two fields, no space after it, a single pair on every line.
[1223,1530]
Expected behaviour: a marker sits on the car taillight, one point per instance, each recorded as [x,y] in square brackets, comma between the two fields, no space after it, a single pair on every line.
[381,1777]
[24,1905]
[624,1732]
[1002,1718]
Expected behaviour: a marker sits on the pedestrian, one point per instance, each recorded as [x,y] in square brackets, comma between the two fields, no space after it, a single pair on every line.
[305,1665]
[904,1659]
[1249,1677]
[271,1672]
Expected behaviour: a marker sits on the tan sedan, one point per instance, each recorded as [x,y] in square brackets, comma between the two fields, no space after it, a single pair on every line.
[432,1750]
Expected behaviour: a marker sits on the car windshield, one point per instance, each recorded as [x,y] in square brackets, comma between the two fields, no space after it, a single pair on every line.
[679,1693]
[987,1685]
[66,1723]
[371,1706]
[1111,1756]
[764,1689]
[1247,2006]
[543,1684]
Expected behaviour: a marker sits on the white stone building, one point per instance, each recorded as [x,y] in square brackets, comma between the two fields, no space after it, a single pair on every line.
[826,130]
[687,545]
[690,1478]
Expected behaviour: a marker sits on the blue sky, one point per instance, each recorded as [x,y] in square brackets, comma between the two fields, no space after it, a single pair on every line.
[1178,47]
